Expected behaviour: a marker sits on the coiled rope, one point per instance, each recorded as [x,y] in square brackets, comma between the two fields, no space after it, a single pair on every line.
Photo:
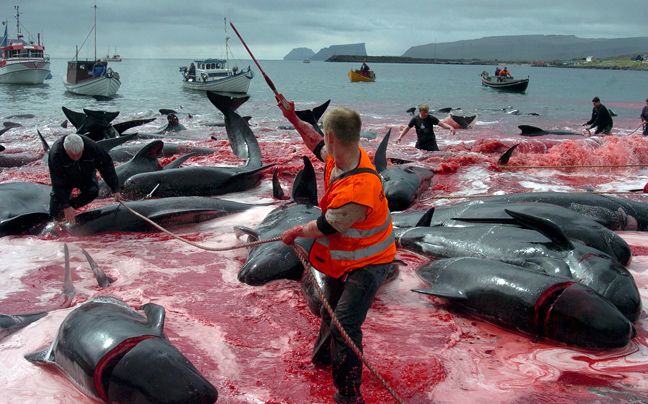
[307,267]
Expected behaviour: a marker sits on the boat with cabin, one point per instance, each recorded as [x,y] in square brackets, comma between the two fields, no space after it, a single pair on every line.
[22,62]
[216,75]
[507,83]
[114,58]
[83,79]
[359,76]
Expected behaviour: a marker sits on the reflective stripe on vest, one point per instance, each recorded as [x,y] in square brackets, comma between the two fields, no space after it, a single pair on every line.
[361,253]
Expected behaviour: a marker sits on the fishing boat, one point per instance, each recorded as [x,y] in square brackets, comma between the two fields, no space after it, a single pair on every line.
[307,60]
[216,74]
[114,58]
[357,75]
[22,62]
[80,79]
[508,83]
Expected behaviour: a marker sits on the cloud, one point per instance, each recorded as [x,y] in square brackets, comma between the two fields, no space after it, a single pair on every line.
[193,29]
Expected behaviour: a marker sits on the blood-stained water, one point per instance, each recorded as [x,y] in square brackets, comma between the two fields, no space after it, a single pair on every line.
[254,343]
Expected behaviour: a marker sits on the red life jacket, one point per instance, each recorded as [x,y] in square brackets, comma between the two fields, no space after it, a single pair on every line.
[366,242]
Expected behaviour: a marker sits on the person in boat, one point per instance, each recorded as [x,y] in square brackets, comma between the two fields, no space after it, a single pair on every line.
[191,74]
[73,162]
[98,69]
[354,243]
[644,118]
[364,69]
[424,124]
[504,72]
[173,124]
[497,71]
[601,118]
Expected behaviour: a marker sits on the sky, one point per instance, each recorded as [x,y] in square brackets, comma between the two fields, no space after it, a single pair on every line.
[181,29]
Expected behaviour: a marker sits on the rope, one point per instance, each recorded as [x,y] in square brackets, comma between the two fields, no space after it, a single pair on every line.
[253,243]
[638,192]
[347,338]
[306,264]
[577,166]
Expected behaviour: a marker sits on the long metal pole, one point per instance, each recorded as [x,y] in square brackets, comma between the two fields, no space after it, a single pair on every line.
[278,96]
[95,30]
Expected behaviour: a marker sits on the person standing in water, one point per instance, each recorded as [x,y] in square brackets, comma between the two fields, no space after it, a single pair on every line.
[424,124]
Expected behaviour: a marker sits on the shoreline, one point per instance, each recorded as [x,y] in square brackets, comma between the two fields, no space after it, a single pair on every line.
[605,65]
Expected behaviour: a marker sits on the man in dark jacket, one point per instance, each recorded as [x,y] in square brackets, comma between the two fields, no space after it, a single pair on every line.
[601,118]
[73,162]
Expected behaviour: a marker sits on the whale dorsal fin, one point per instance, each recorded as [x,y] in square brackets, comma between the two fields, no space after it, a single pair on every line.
[380,159]
[154,316]
[547,227]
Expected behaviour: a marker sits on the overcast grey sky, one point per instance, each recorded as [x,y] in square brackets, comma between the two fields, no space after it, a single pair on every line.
[272,28]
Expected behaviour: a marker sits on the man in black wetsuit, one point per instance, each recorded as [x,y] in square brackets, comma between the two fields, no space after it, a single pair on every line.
[601,118]
[73,162]
[424,123]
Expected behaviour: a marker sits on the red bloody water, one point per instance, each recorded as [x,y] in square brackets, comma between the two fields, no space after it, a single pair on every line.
[254,343]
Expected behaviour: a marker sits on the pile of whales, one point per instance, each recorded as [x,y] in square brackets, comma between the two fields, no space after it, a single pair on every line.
[546,264]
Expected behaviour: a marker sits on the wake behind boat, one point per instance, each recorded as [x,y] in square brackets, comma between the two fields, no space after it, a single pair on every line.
[80,78]
[508,83]
[22,62]
[216,75]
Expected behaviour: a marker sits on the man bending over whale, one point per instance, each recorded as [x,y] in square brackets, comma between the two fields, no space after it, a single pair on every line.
[354,242]
[73,162]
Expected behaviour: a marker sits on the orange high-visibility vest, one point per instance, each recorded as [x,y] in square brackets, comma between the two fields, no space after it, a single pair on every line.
[366,242]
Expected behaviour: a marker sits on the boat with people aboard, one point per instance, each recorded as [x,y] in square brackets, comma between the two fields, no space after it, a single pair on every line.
[91,77]
[216,75]
[508,83]
[22,62]
[114,58]
[357,76]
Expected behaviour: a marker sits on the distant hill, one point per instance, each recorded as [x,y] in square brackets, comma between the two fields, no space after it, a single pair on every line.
[530,48]
[299,54]
[357,49]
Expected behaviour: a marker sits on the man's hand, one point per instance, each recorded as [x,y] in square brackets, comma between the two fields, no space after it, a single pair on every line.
[69,214]
[287,107]
[288,237]
[118,197]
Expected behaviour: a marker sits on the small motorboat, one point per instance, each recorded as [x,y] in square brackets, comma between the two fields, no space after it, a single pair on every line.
[80,80]
[216,75]
[508,83]
[357,75]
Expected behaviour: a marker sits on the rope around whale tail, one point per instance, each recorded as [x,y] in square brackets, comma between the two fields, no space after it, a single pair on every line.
[301,254]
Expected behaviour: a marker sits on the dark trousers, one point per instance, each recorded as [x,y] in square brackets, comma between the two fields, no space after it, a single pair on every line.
[603,129]
[89,191]
[350,301]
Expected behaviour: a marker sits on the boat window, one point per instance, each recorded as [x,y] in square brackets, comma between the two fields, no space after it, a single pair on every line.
[213,65]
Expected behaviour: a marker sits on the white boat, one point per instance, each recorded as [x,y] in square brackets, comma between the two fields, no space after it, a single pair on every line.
[80,80]
[114,58]
[22,62]
[216,75]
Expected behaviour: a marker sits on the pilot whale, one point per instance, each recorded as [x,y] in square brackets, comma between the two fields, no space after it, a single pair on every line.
[535,243]
[402,184]
[535,303]
[114,353]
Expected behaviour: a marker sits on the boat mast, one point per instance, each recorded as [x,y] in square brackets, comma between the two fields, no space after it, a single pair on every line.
[95,31]
[18,24]
[226,45]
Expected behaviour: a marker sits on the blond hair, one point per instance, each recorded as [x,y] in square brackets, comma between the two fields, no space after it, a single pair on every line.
[343,123]
[424,107]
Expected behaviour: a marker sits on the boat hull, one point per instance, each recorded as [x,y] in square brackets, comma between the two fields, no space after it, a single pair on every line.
[505,83]
[27,72]
[98,86]
[355,77]
[238,84]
